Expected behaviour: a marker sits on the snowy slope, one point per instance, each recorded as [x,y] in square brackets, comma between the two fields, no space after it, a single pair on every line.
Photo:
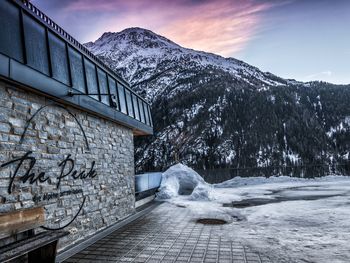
[212,111]
[133,49]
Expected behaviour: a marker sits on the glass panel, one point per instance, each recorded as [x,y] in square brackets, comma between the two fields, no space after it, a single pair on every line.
[146,112]
[136,107]
[91,79]
[129,103]
[122,98]
[113,90]
[59,62]
[10,31]
[141,110]
[36,48]
[150,116]
[77,69]
[102,82]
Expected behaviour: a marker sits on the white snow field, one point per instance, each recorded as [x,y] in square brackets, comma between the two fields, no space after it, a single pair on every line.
[288,219]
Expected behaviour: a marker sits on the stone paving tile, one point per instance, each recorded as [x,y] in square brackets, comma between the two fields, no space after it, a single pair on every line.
[168,234]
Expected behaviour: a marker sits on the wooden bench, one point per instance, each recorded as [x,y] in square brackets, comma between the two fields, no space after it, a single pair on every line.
[39,247]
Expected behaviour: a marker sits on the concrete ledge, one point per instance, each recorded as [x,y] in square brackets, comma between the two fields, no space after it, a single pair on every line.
[76,248]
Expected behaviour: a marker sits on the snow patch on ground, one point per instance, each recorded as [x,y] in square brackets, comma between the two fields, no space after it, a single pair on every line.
[310,224]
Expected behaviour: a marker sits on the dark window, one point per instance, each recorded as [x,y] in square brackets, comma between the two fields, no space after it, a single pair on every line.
[122,98]
[91,79]
[10,31]
[141,110]
[77,69]
[136,107]
[102,82]
[59,61]
[146,113]
[113,90]
[129,103]
[35,42]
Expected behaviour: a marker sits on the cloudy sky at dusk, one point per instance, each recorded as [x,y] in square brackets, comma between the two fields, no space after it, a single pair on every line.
[300,39]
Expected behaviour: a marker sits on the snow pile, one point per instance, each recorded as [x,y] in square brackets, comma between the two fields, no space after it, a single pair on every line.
[179,179]
[202,192]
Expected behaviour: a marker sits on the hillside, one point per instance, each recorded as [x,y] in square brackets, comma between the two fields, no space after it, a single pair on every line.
[213,112]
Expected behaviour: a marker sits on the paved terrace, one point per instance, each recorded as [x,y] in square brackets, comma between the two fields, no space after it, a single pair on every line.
[168,234]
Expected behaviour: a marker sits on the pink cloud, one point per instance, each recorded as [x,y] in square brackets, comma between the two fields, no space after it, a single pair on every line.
[222,26]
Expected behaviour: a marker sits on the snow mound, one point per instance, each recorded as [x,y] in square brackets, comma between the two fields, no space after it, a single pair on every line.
[202,192]
[179,179]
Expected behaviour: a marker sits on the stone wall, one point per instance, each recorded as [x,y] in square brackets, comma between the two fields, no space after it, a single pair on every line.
[64,142]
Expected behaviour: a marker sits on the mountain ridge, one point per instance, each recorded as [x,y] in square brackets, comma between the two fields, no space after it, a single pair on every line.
[233,114]
[138,41]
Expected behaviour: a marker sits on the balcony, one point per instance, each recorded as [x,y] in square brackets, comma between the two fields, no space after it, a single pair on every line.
[38,54]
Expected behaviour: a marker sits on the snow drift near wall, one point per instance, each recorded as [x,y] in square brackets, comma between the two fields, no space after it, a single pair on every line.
[179,179]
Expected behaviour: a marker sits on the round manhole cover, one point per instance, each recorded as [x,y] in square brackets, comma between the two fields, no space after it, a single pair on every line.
[211,221]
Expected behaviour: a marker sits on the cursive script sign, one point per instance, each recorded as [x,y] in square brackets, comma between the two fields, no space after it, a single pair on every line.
[41,176]
[25,169]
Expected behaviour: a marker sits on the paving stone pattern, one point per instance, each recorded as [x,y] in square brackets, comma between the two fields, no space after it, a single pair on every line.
[168,234]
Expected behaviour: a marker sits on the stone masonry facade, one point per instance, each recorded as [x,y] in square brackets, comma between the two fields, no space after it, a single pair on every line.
[81,161]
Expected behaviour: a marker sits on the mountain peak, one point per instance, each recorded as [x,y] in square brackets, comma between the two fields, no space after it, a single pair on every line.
[137,30]
[132,32]
[134,36]
[134,49]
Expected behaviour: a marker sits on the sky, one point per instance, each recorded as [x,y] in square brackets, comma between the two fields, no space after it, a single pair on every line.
[297,39]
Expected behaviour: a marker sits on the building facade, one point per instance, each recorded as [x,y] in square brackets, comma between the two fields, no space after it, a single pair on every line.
[67,124]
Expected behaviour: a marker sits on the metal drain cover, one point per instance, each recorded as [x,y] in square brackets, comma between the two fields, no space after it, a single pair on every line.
[211,221]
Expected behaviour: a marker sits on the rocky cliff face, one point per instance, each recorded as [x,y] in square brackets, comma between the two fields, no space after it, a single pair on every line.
[212,112]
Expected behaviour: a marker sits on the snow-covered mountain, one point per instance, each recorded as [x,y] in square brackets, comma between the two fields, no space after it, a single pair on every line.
[140,55]
[210,111]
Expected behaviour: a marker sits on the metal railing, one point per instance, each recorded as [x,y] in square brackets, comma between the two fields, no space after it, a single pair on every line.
[43,56]
[48,21]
